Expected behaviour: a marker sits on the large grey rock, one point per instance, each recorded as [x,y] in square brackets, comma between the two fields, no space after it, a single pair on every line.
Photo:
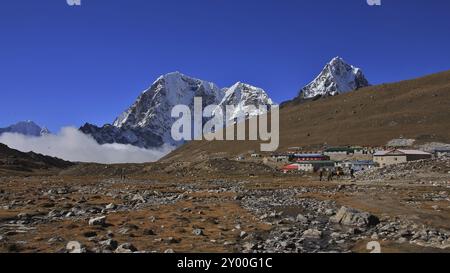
[312,234]
[126,248]
[138,199]
[98,221]
[302,219]
[109,244]
[352,217]
[110,206]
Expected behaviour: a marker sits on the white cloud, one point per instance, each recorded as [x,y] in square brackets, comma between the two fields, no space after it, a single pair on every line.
[71,144]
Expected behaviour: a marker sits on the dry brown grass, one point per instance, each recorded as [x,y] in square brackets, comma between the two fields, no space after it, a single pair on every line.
[216,213]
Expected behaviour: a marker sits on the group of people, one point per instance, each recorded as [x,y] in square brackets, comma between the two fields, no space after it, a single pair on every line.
[331,173]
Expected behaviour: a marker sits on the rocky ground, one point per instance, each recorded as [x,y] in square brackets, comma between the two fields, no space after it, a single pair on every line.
[210,208]
[434,171]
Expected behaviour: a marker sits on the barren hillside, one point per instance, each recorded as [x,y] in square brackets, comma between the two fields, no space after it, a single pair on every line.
[418,109]
[13,162]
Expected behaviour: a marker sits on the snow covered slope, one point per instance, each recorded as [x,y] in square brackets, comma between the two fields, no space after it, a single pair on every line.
[244,98]
[152,110]
[148,122]
[336,77]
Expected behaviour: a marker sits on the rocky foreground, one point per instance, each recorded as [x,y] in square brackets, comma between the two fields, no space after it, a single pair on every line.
[205,209]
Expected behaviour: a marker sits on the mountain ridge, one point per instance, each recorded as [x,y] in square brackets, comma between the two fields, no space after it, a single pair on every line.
[147,122]
[14,162]
[416,109]
[28,128]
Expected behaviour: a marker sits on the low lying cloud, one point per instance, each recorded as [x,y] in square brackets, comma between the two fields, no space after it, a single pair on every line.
[72,145]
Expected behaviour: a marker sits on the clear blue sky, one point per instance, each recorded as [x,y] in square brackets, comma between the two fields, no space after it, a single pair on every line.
[62,65]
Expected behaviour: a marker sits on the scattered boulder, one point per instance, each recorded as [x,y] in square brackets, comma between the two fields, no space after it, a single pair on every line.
[23,216]
[248,246]
[98,221]
[352,217]
[109,244]
[329,212]
[138,199]
[90,234]
[149,232]
[126,248]
[198,232]
[56,239]
[302,219]
[110,206]
[312,234]
[172,240]
[69,214]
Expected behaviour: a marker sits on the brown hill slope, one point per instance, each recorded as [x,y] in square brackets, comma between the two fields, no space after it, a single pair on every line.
[13,162]
[372,116]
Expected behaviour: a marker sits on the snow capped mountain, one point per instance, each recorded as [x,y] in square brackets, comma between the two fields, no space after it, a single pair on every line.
[244,98]
[336,77]
[152,110]
[28,128]
[148,122]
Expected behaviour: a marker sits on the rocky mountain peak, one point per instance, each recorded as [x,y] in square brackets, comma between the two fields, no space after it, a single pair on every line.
[337,77]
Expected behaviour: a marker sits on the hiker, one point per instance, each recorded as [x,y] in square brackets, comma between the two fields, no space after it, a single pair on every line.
[321,172]
[352,173]
[122,174]
[330,175]
[338,174]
